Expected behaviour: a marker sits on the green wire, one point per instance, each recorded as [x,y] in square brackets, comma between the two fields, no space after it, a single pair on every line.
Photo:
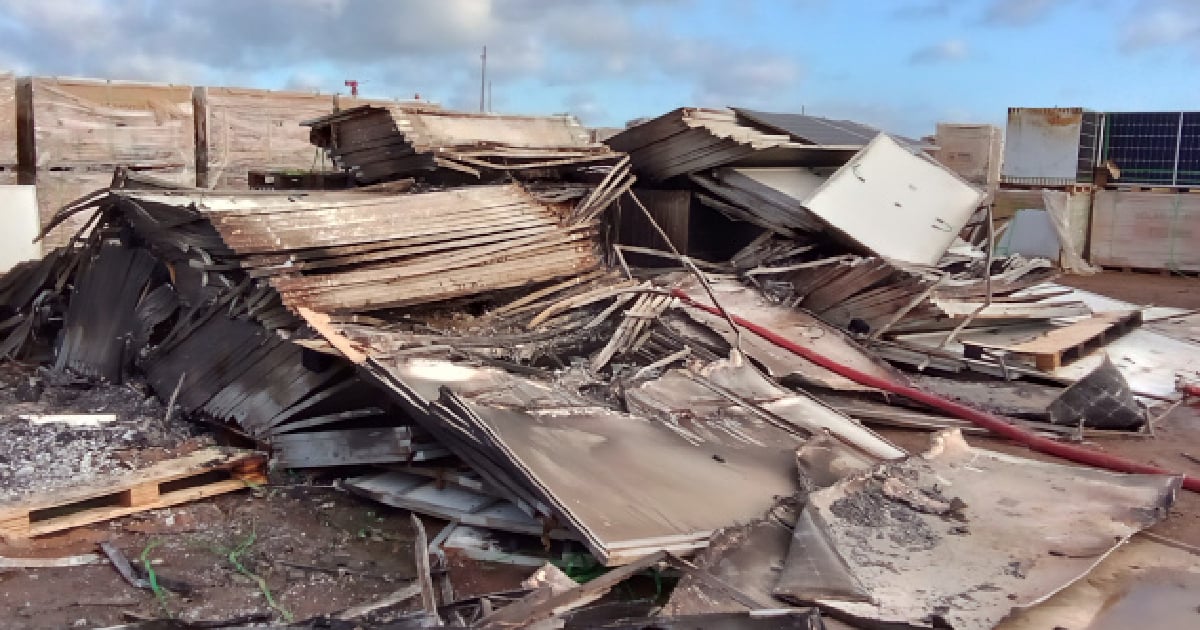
[152,577]
[234,556]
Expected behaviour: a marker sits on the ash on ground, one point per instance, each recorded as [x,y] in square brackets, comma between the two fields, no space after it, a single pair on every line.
[36,457]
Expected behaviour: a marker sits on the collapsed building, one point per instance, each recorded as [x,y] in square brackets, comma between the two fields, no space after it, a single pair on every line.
[538,334]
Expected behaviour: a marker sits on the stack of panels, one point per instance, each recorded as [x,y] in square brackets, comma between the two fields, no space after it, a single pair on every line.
[257,129]
[689,140]
[8,128]
[375,146]
[1154,148]
[368,253]
[380,143]
[90,123]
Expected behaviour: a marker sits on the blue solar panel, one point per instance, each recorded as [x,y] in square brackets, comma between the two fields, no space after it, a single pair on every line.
[1154,148]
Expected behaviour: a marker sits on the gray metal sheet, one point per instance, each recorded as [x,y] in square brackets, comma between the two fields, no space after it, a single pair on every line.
[818,130]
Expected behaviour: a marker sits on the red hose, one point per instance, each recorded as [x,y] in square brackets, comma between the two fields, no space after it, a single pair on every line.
[994,423]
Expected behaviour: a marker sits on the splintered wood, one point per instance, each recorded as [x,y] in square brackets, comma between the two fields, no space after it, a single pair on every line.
[204,473]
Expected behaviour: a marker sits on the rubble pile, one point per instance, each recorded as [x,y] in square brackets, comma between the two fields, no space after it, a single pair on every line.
[474,336]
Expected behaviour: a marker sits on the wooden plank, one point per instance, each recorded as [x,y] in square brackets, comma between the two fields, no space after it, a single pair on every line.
[26,139]
[161,485]
[200,129]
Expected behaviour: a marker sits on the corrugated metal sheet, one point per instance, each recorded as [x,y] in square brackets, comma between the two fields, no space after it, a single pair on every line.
[688,140]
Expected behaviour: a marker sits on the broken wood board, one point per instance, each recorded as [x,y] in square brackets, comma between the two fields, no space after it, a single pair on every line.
[959,537]
[204,473]
[452,503]
[1064,344]
[352,446]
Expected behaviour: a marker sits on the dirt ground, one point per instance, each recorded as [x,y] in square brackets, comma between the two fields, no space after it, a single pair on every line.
[1141,288]
[318,550]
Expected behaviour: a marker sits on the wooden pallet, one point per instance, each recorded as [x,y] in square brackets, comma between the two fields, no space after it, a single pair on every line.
[1065,343]
[1154,189]
[1071,187]
[201,474]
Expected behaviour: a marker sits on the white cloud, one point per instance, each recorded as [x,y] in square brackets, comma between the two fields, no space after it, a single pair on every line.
[924,9]
[941,52]
[1019,12]
[1162,24]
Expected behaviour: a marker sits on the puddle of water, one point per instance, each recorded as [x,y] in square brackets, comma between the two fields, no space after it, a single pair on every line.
[1159,599]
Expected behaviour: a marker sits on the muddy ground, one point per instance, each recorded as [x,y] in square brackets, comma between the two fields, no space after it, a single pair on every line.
[320,550]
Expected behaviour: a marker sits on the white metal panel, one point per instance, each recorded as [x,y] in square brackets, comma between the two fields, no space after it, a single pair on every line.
[1042,144]
[896,204]
[18,226]
[796,182]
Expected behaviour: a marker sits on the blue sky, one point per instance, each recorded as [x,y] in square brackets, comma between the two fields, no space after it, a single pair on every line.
[898,64]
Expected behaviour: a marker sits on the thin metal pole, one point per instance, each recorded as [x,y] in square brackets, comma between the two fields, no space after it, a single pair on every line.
[1178,144]
[483,80]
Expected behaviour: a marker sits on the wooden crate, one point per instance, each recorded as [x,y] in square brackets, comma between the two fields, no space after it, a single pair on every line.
[972,151]
[256,129]
[204,473]
[91,123]
[1146,230]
